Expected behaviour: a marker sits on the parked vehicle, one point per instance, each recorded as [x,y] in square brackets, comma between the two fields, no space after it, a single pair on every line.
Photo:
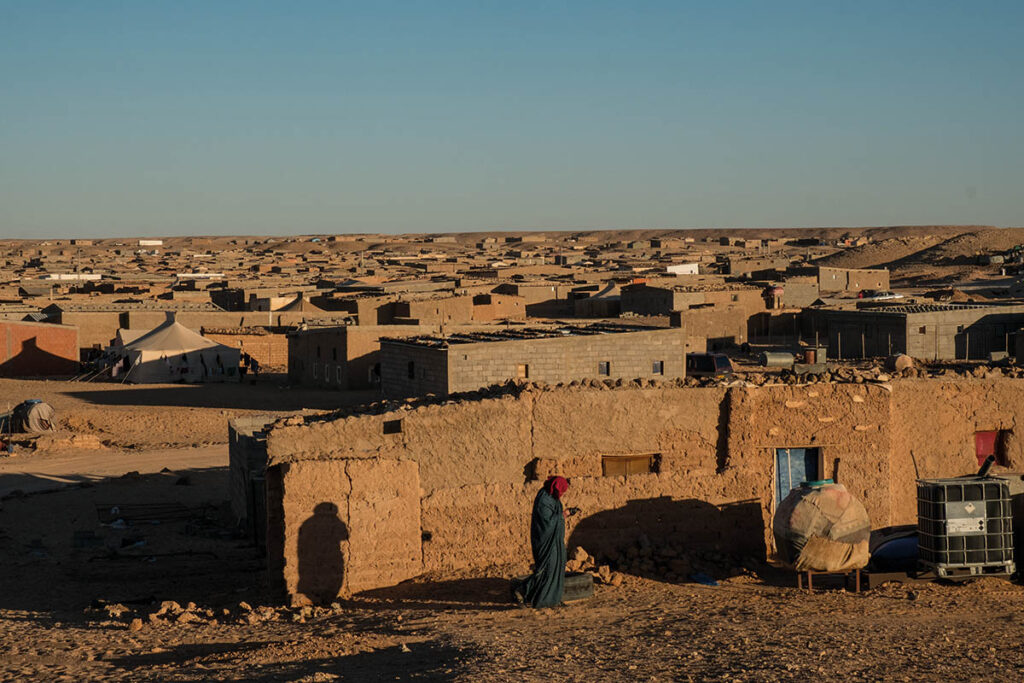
[877,295]
[708,365]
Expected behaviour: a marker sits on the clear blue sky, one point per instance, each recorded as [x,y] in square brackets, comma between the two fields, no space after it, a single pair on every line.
[160,118]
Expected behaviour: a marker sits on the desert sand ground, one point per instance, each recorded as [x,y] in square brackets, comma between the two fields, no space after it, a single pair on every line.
[178,595]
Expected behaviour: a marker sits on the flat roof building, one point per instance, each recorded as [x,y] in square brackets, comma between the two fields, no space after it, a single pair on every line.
[467,361]
[926,331]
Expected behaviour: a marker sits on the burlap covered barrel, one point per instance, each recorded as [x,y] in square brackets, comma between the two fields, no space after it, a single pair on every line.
[821,527]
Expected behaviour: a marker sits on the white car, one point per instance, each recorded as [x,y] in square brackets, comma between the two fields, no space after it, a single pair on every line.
[877,295]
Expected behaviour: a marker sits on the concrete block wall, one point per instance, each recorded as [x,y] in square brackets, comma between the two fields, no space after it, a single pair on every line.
[563,359]
[411,370]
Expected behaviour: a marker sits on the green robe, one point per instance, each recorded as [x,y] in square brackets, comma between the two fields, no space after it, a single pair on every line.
[544,587]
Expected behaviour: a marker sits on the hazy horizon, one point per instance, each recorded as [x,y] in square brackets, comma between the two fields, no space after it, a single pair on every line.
[144,119]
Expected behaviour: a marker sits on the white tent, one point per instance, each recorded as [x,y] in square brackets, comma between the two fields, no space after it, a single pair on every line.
[174,353]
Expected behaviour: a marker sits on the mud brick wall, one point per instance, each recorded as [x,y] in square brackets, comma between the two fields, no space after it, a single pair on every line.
[494,519]
[851,279]
[348,525]
[934,425]
[715,488]
[850,423]
[247,457]
[347,353]
[455,309]
[498,307]
[270,350]
[95,329]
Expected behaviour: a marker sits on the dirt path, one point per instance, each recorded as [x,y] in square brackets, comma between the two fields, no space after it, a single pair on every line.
[30,474]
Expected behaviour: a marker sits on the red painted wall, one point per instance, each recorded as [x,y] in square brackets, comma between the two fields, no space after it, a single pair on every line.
[30,349]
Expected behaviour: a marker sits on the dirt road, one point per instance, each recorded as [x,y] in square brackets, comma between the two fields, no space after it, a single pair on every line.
[30,474]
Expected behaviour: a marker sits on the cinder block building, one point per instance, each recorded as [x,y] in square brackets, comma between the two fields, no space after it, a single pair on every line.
[644,299]
[467,361]
[927,331]
[342,357]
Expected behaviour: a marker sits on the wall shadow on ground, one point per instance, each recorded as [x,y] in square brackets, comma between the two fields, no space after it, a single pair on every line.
[425,660]
[665,537]
[59,553]
[473,593]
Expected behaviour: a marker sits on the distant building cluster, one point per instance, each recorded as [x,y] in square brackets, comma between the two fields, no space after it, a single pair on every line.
[415,314]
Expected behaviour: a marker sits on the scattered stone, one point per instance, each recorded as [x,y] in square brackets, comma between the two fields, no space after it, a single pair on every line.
[168,607]
[116,611]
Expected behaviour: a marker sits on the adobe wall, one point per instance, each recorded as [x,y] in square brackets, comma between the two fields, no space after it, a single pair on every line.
[479,460]
[851,279]
[95,329]
[347,353]
[270,350]
[850,423]
[935,425]
[348,525]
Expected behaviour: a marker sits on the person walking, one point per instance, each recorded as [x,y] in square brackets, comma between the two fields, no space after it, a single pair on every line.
[544,588]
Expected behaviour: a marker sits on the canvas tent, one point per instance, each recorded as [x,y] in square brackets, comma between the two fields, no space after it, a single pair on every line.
[174,353]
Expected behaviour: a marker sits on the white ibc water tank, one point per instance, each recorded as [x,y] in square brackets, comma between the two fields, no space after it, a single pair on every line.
[821,527]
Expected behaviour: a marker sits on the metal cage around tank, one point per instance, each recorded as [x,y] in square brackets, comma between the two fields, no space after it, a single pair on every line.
[965,527]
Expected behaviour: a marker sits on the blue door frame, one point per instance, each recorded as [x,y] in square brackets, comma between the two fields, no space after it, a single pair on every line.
[792,466]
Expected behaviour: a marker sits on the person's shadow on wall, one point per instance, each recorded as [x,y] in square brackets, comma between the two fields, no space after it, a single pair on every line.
[321,562]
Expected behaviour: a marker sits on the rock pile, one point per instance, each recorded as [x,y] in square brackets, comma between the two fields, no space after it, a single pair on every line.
[666,561]
[171,613]
[582,561]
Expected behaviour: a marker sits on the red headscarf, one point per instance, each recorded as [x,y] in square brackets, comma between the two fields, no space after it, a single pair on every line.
[556,486]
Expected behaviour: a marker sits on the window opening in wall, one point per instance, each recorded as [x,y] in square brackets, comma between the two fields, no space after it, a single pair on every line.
[317,350]
[626,464]
[604,368]
[991,442]
[793,466]
[658,367]
[412,370]
[922,330]
[327,373]
[392,426]
[315,364]
[334,353]
[338,373]
[523,371]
